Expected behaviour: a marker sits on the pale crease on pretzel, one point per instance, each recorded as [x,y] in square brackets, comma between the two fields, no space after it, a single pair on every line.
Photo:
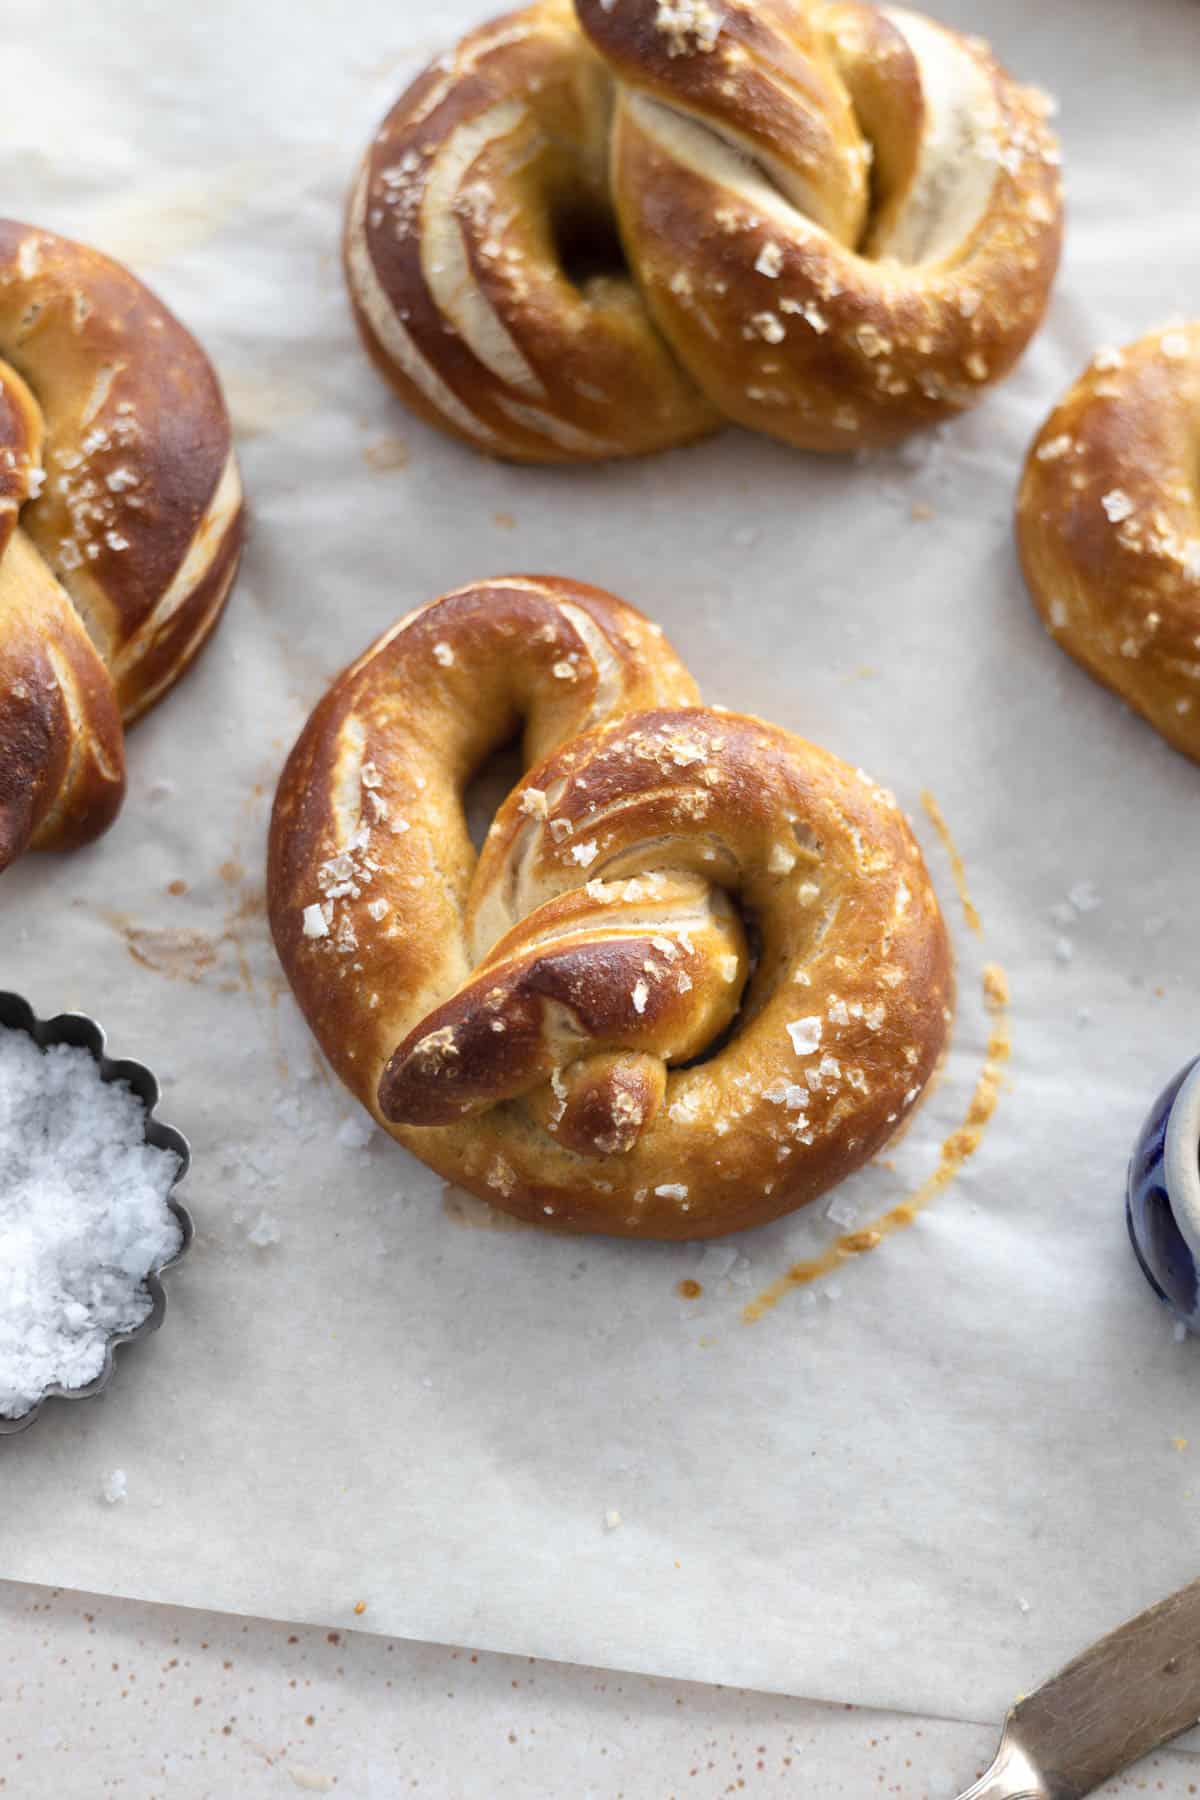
[1108,525]
[603,229]
[120,527]
[697,973]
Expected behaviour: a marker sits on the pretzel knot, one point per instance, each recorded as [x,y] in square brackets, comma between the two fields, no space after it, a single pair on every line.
[605,229]
[120,527]
[696,974]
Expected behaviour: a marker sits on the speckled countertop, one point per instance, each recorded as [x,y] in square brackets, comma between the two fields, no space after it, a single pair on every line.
[103,1697]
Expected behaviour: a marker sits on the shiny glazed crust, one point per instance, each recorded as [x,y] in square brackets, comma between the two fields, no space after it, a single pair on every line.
[697,974]
[120,526]
[1108,526]
[838,223]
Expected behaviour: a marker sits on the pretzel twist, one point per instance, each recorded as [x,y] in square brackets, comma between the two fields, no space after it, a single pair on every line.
[1108,526]
[697,973]
[837,223]
[120,527]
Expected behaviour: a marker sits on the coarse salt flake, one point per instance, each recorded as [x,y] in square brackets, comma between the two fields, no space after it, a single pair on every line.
[842,1213]
[265,1233]
[684,1110]
[442,653]
[356,1131]
[805,1035]
[1117,504]
[315,925]
[768,327]
[807,310]
[688,25]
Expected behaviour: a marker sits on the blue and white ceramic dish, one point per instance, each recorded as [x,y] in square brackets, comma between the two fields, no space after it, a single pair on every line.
[1163,1196]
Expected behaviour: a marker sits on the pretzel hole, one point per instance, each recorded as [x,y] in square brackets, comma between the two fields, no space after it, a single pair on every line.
[879,197]
[490,785]
[587,243]
[750,998]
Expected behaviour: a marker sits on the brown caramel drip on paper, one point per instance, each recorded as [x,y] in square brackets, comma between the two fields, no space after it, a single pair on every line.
[957,1149]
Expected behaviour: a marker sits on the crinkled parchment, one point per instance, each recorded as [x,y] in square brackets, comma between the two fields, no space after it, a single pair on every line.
[922,1484]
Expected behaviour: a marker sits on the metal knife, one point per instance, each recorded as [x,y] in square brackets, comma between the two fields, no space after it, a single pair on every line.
[1122,1698]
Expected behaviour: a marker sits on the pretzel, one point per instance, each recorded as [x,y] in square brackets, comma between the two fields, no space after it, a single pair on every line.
[1108,527]
[120,527]
[601,230]
[697,973]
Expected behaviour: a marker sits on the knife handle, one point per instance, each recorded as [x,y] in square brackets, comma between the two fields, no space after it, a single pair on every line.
[1011,1777]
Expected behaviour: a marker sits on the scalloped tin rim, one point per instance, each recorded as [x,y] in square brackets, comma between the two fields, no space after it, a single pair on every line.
[86,1034]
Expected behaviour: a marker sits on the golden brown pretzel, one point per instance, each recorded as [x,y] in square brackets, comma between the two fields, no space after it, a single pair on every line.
[839,223]
[120,527]
[1108,524]
[697,974]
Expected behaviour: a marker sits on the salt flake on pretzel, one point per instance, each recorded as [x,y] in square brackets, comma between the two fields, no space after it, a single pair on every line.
[599,230]
[697,973]
[120,527]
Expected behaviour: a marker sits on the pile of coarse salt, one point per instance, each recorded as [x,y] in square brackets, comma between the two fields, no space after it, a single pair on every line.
[83,1217]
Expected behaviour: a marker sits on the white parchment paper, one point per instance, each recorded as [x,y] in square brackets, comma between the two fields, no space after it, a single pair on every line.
[920,1486]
